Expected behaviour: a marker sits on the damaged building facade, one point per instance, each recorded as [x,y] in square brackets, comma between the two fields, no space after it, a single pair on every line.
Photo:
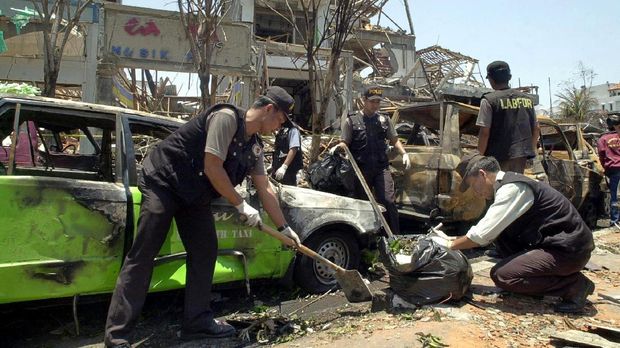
[255,46]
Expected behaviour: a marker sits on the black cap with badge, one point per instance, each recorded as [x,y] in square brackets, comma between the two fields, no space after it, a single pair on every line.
[374,93]
[283,101]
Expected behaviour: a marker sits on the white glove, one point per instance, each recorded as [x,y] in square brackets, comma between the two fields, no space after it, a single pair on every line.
[442,242]
[436,231]
[406,161]
[280,172]
[250,215]
[333,150]
[288,231]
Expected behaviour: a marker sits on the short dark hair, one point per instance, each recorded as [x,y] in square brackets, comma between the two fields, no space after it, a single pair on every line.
[499,71]
[262,101]
[500,77]
[486,163]
[613,119]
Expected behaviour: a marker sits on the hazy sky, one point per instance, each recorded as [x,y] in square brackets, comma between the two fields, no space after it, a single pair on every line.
[540,39]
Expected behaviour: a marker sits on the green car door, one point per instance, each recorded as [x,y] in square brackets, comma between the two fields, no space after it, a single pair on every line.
[63,216]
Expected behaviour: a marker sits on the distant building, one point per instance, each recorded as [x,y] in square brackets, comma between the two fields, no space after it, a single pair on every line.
[608,96]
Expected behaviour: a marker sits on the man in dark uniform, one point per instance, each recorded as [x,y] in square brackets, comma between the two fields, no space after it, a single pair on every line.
[366,133]
[539,234]
[204,159]
[508,127]
[287,155]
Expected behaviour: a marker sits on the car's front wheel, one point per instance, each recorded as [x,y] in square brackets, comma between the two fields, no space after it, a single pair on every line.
[339,247]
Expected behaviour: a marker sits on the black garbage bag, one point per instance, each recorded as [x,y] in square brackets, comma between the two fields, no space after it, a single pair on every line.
[332,174]
[434,274]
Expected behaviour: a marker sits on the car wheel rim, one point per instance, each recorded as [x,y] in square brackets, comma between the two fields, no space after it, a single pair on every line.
[336,251]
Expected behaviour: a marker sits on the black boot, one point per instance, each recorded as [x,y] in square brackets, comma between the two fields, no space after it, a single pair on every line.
[576,302]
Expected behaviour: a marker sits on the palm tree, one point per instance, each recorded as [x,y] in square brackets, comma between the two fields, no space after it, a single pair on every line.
[576,103]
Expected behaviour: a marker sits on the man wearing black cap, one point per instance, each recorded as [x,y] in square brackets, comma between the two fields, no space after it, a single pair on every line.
[539,234]
[508,127]
[287,155]
[366,133]
[204,159]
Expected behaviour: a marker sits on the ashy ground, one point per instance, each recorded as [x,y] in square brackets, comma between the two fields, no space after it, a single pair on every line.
[278,317]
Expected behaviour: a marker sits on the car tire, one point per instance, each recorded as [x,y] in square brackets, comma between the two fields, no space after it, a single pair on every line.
[339,247]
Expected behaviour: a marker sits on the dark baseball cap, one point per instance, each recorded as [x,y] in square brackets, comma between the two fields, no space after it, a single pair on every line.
[465,166]
[498,68]
[613,118]
[283,101]
[374,93]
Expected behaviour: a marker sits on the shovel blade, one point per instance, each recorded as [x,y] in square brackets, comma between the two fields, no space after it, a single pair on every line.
[353,286]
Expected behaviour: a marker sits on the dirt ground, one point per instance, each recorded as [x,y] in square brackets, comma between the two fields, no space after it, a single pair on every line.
[280,317]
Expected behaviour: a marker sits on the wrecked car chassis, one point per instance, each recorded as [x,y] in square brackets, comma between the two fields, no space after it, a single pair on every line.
[432,182]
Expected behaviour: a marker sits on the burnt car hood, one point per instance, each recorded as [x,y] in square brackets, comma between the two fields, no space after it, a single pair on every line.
[308,210]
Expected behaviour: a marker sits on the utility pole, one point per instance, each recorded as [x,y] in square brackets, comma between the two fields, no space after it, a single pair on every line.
[550,101]
[409,17]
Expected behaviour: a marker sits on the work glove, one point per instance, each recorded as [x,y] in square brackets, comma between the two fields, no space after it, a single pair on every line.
[334,149]
[288,231]
[406,161]
[249,215]
[281,171]
[442,242]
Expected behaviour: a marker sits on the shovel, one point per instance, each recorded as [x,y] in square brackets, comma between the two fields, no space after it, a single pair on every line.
[369,193]
[351,282]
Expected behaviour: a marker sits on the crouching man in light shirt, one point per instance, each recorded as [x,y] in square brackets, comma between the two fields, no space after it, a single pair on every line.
[540,235]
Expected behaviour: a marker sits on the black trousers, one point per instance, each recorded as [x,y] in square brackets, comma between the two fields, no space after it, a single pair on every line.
[541,272]
[381,183]
[197,231]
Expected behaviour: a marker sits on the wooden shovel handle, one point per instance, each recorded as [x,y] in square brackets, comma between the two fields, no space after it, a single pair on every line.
[371,196]
[302,248]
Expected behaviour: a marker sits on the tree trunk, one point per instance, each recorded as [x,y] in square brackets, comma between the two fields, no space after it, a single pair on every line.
[204,90]
[49,75]
[49,80]
[317,117]
[330,80]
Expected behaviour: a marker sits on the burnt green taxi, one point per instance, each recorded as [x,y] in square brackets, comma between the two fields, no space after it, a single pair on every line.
[69,205]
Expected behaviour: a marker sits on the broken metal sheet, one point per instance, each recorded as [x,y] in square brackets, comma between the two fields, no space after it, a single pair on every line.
[612,298]
[611,333]
[585,338]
